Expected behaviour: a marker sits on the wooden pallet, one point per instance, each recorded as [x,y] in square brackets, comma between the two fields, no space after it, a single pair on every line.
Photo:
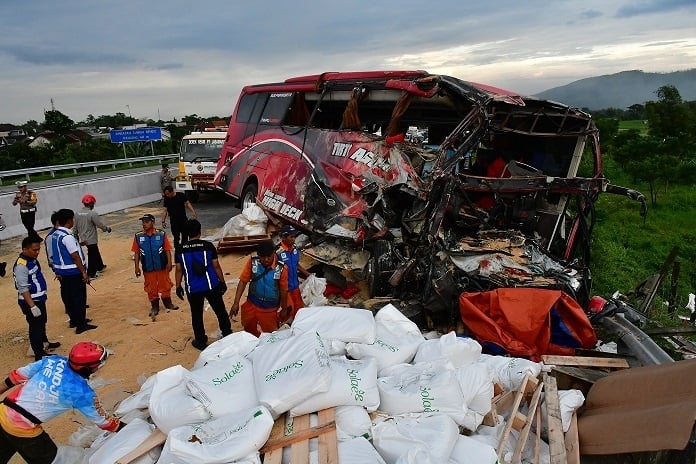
[297,439]
[156,438]
[231,244]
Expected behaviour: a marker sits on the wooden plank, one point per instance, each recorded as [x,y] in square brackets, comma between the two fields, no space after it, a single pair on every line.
[614,363]
[572,442]
[524,434]
[156,438]
[500,404]
[296,436]
[328,450]
[537,443]
[516,405]
[553,410]
[299,450]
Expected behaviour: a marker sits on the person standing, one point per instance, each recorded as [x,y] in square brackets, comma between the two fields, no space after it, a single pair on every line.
[86,223]
[43,390]
[32,295]
[198,267]
[268,291]
[165,177]
[69,265]
[152,249]
[289,255]
[175,205]
[26,199]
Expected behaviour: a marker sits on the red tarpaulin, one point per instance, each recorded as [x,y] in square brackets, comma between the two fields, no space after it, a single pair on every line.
[527,322]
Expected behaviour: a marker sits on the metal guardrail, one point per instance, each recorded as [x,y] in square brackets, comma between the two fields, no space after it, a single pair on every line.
[26,172]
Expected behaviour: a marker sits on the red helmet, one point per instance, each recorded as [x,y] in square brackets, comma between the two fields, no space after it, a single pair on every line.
[89,199]
[87,355]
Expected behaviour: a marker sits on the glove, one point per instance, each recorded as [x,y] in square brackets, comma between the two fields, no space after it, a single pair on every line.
[180,292]
[222,287]
[108,229]
[35,310]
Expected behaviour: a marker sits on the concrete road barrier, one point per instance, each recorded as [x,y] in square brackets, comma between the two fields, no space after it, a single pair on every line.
[113,193]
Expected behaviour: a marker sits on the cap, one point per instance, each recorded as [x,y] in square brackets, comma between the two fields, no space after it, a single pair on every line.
[21,183]
[148,217]
[287,229]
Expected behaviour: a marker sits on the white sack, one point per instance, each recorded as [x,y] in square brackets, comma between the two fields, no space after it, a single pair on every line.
[337,323]
[353,383]
[467,450]
[138,400]
[397,435]
[171,405]
[288,372]
[422,388]
[226,439]
[72,455]
[510,372]
[358,451]
[397,339]
[224,386]
[251,221]
[351,422]
[569,401]
[312,290]
[241,343]
[476,382]
[459,351]
[418,455]
[126,440]
[268,338]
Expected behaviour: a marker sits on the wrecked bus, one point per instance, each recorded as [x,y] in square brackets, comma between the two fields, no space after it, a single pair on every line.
[427,184]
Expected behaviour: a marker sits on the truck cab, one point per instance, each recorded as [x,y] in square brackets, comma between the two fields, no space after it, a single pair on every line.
[198,158]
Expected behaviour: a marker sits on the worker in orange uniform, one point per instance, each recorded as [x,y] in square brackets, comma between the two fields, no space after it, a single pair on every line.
[267,300]
[153,249]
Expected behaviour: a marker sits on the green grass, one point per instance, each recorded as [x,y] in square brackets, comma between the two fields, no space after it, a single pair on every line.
[636,124]
[627,249]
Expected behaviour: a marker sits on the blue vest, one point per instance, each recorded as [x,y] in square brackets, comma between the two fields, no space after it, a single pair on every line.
[37,282]
[63,263]
[291,259]
[197,266]
[264,288]
[152,254]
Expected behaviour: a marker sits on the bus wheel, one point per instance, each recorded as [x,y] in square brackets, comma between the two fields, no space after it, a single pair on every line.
[249,196]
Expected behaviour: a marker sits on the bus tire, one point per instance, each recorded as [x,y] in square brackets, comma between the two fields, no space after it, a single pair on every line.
[248,197]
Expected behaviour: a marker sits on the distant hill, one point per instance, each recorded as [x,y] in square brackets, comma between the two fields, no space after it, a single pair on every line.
[621,90]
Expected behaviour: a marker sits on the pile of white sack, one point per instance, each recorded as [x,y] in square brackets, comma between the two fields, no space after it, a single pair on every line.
[422,391]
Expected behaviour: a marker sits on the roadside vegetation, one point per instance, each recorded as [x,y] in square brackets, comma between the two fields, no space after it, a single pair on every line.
[653,152]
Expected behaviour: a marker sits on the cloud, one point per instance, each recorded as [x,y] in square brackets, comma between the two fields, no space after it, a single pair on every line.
[653,6]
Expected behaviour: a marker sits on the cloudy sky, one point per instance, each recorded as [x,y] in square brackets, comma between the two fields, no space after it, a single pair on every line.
[166,59]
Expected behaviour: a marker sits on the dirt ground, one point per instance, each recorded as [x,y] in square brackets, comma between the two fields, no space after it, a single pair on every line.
[119,307]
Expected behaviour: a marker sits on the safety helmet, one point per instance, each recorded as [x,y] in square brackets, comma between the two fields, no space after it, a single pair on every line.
[88,199]
[87,356]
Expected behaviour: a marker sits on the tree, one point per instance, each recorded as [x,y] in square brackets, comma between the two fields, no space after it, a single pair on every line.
[57,122]
[668,117]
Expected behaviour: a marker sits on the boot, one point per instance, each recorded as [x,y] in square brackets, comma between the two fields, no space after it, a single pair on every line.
[154,310]
[168,304]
